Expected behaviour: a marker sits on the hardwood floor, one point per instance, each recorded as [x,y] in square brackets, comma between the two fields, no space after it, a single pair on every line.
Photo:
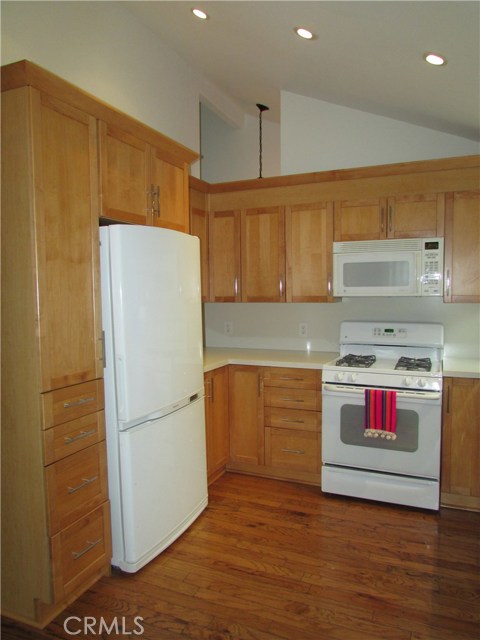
[275,560]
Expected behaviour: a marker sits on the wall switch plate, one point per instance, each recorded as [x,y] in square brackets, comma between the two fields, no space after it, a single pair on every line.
[228,327]
[303,329]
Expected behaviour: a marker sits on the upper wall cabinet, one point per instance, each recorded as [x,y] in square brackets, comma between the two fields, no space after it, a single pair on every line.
[224,256]
[401,216]
[199,227]
[263,254]
[140,183]
[462,247]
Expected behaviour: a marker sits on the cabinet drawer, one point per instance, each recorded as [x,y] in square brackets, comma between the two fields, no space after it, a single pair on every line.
[76,485]
[81,551]
[66,404]
[296,419]
[292,378]
[292,398]
[73,436]
[291,449]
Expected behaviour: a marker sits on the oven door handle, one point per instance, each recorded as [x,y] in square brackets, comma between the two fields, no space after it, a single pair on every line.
[423,395]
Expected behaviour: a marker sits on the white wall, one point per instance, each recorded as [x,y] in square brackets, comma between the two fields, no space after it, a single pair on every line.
[275,326]
[318,136]
[232,153]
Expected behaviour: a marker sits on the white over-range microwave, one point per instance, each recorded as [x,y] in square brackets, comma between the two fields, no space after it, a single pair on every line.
[410,267]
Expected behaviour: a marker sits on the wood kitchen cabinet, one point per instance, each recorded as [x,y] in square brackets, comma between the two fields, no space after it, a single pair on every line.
[224,256]
[462,247]
[309,237]
[263,254]
[275,422]
[247,446]
[55,511]
[199,227]
[140,183]
[292,399]
[400,216]
[460,478]
[216,419]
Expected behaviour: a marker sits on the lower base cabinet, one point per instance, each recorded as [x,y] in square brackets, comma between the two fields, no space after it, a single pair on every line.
[275,422]
[216,422]
[460,477]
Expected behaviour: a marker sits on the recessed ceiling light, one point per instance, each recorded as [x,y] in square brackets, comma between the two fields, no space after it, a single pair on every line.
[200,14]
[435,59]
[304,33]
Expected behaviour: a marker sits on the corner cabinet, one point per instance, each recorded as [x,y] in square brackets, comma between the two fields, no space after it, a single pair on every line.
[55,511]
[460,479]
[216,422]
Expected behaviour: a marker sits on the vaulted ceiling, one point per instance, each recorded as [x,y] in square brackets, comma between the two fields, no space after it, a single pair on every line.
[364,55]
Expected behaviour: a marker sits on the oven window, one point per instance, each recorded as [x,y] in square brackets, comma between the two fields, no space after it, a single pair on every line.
[352,427]
[376,274]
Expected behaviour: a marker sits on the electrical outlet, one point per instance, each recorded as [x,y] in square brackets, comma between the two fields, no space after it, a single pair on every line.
[228,328]
[303,329]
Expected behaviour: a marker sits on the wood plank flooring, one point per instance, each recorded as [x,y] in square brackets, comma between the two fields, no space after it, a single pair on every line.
[274,560]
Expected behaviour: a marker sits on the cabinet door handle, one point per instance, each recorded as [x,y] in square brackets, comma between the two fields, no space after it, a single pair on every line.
[235,286]
[158,200]
[292,421]
[80,436]
[329,284]
[390,219]
[85,483]
[292,399]
[280,286]
[291,378]
[212,387]
[151,193]
[298,452]
[89,547]
[448,400]
[382,219]
[77,403]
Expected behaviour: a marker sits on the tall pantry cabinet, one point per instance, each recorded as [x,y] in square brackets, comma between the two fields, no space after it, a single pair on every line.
[55,510]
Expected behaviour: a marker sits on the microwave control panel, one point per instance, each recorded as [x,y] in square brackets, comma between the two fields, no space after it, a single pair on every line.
[432,267]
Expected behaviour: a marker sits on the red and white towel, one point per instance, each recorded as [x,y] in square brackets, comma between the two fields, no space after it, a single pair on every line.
[380,414]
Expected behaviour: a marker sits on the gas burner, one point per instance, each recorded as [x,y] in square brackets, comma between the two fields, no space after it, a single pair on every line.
[351,360]
[414,364]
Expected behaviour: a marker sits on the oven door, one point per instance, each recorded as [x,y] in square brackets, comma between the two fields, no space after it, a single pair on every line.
[416,450]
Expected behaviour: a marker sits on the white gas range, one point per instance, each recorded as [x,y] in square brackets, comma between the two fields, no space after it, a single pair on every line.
[382,403]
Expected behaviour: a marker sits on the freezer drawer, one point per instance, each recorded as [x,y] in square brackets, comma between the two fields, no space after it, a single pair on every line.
[163,480]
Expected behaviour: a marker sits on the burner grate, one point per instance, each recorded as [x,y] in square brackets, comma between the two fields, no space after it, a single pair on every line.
[352,360]
[414,364]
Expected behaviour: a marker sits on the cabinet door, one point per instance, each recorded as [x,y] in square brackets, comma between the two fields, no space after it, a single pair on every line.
[216,389]
[65,152]
[462,247]
[199,228]
[416,216]
[246,415]
[263,254]
[170,192]
[309,237]
[224,253]
[460,484]
[360,219]
[125,186]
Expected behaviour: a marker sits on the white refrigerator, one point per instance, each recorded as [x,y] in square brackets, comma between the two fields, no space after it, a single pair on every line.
[154,393]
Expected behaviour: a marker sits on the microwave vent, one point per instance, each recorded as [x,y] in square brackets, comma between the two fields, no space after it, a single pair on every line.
[367,246]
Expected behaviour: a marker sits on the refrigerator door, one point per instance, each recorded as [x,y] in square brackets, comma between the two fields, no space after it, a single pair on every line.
[151,290]
[163,484]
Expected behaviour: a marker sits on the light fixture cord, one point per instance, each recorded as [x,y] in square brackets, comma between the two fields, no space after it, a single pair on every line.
[261,108]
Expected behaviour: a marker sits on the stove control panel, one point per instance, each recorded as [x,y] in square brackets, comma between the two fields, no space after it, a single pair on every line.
[390,332]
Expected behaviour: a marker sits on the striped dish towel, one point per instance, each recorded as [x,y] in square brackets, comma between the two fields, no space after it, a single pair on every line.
[380,414]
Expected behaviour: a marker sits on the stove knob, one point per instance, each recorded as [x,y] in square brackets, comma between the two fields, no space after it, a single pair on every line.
[339,376]
[422,382]
[408,381]
[353,377]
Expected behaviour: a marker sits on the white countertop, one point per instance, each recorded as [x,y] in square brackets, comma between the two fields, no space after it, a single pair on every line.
[215,357]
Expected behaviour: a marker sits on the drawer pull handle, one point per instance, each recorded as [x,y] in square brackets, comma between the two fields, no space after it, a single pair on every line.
[294,421]
[293,399]
[85,483]
[90,545]
[291,378]
[77,403]
[299,452]
[82,434]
